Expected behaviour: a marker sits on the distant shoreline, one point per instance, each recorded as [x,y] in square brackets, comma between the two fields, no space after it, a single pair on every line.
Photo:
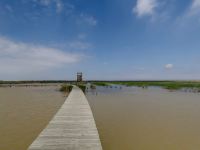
[168,84]
[73,81]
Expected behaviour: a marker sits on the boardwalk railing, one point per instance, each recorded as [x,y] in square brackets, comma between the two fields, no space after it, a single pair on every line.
[72,128]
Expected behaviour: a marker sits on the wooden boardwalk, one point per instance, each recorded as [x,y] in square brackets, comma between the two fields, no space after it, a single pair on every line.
[72,128]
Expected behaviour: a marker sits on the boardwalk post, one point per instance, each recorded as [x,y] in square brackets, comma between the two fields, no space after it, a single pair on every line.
[72,128]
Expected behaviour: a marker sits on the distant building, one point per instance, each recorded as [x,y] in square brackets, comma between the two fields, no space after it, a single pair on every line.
[79,77]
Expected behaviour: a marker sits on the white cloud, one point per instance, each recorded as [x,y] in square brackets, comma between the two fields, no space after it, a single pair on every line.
[88,19]
[22,58]
[169,66]
[194,8]
[145,7]
[58,4]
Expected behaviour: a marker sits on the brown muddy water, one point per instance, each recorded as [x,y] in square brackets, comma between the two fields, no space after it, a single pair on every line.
[146,119]
[127,119]
[24,112]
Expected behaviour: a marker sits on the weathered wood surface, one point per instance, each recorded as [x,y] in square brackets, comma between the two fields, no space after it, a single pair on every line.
[72,128]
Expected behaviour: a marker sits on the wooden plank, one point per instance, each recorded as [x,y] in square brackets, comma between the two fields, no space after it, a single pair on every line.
[72,128]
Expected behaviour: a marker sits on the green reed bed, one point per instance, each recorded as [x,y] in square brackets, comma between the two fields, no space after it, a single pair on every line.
[82,87]
[101,83]
[171,85]
[66,88]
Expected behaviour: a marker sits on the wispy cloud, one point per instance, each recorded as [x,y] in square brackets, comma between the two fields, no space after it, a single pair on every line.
[58,4]
[82,36]
[80,45]
[77,45]
[191,16]
[45,2]
[9,8]
[194,8]
[90,20]
[145,7]
[67,8]
[169,66]
[22,58]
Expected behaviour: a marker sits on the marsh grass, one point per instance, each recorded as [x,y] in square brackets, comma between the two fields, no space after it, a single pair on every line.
[82,87]
[101,83]
[171,85]
[66,88]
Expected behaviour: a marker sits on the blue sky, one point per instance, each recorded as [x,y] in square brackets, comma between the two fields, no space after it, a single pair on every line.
[105,39]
